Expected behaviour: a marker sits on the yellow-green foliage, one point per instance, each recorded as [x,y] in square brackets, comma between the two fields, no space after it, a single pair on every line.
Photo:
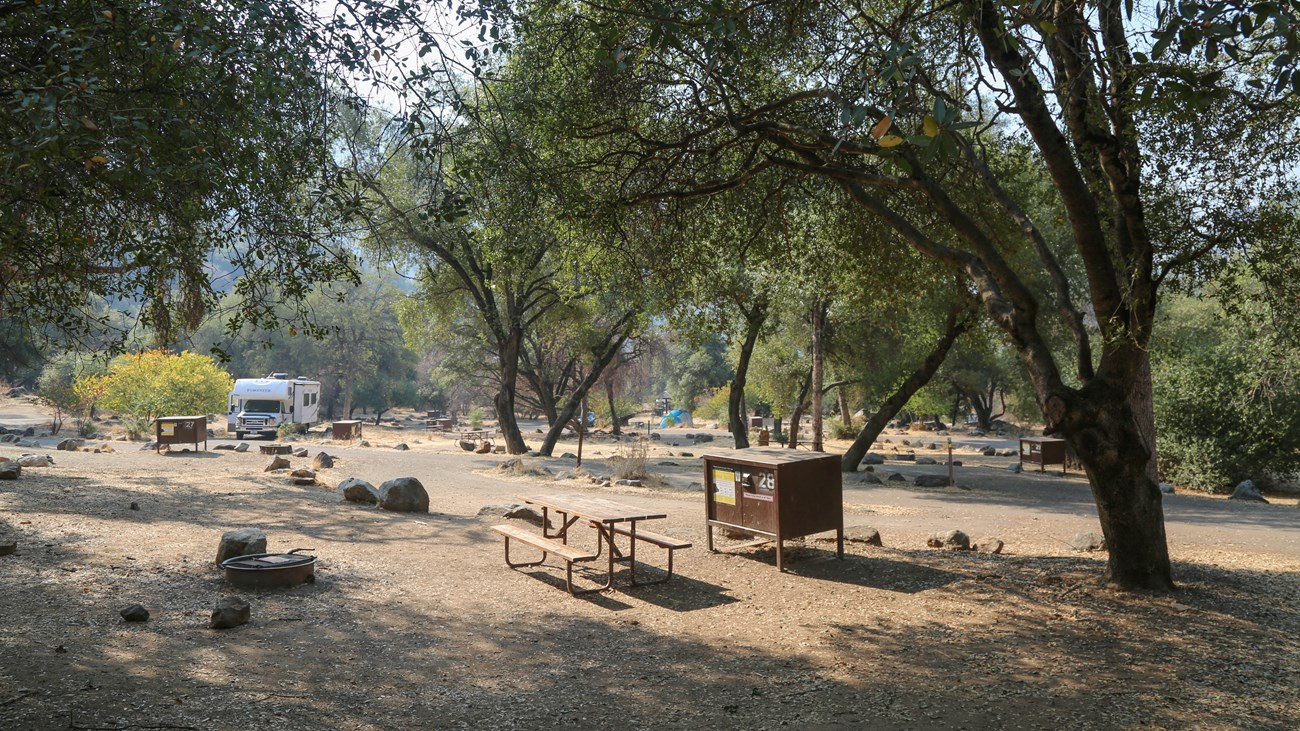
[714,408]
[144,386]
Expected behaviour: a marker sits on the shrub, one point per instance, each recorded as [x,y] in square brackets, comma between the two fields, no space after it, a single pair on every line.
[837,429]
[476,416]
[1227,401]
[630,462]
[714,408]
[57,387]
[144,386]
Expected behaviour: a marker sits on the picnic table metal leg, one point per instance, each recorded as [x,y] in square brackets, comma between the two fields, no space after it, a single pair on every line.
[515,565]
[631,552]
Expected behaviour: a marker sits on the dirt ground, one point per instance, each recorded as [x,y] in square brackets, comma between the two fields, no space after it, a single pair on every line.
[416,623]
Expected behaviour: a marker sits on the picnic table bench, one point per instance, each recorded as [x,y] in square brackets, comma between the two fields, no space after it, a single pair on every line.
[609,518]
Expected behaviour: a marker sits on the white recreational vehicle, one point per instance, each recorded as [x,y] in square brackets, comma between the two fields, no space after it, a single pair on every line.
[261,405]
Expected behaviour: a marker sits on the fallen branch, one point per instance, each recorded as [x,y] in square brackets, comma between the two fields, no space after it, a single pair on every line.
[70,725]
[18,697]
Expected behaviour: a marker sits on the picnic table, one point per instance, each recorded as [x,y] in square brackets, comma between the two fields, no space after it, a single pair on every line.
[607,517]
[479,435]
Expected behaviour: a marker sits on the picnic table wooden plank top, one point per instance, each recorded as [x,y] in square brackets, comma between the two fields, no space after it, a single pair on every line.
[598,509]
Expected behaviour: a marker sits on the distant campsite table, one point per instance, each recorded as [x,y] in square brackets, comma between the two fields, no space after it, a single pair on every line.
[607,517]
[481,435]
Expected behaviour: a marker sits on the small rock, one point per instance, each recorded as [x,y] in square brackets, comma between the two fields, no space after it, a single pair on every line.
[240,542]
[10,470]
[135,505]
[149,445]
[703,437]
[363,443]
[989,452]
[863,534]
[467,445]
[873,458]
[220,447]
[1007,453]
[695,487]
[931,481]
[483,448]
[988,544]
[278,462]
[322,461]
[404,495]
[655,437]
[241,447]
[956,463]
[1088,542]
[926,460]
[300,451]
[356,490]
[908,457]
[8,547]
[896,477]
[499,449]
[953,540]
[135,613]
[568,455]
[1246,490]
[1166,488]
[1015,467]
[668,464]
[303,472]
[867,478]
[525,513]
[70,444]
[230,612]
[629,483]
[534,453]
[35,460]
[401,447]
[687,454]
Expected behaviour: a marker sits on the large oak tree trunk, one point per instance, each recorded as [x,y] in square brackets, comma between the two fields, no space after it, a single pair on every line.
[896,401]
[616,430]
[505,397]
[1142,400]
[577,399]
[1099,424]
[818,369]
[736,400]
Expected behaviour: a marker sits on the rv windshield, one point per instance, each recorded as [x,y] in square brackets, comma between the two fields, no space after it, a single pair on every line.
[262,406]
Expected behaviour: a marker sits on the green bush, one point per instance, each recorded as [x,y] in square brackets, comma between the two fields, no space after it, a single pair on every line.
[476,416]
[714,408]
[1227,402]
[837,429]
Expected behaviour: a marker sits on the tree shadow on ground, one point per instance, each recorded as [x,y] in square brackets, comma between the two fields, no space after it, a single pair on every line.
[477,648]
[276,507]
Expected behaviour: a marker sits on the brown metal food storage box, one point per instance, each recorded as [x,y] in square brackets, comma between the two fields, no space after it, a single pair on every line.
[774,493]
[345,430]
[181,430]
[1042,451]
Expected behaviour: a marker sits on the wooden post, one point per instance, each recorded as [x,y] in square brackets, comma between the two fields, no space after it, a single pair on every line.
[951,482]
